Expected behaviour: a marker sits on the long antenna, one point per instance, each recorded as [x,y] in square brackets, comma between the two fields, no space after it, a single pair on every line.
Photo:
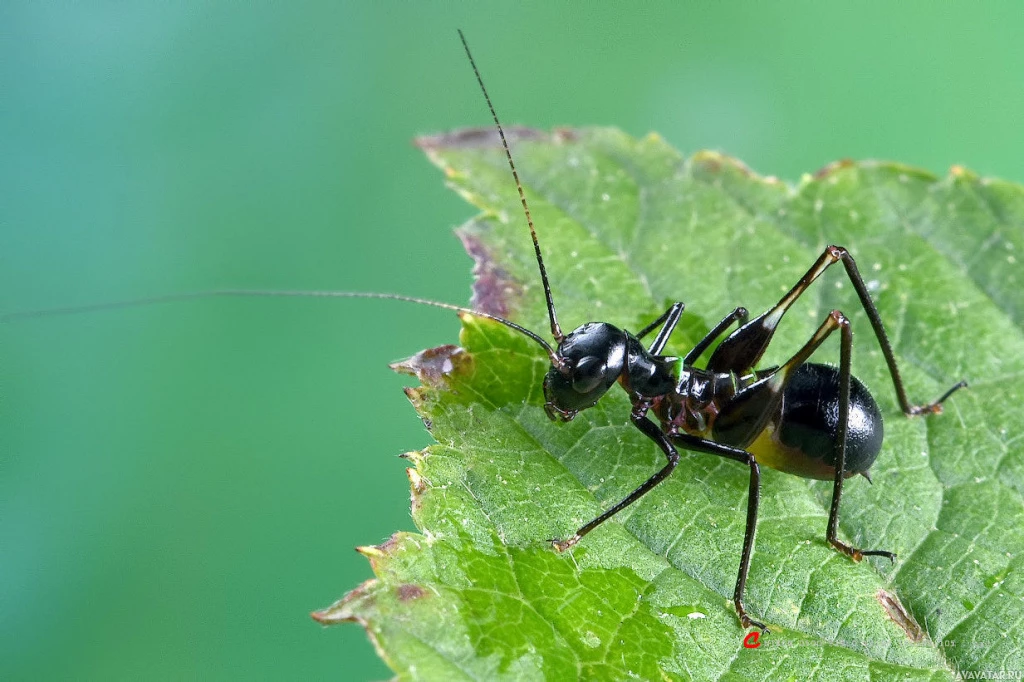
[556,331]
[218,293]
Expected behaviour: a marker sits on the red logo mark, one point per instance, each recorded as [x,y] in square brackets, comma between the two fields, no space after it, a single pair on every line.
[752,640]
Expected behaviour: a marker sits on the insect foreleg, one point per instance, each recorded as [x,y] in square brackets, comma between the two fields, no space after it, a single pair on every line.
[670,318]
[649,429]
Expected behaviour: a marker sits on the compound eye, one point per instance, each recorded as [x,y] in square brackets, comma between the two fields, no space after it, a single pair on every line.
[588,374]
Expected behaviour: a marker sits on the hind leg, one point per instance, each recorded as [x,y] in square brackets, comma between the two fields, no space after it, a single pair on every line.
[743,348]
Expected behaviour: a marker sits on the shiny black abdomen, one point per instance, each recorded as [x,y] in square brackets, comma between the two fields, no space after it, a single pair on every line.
[810,419]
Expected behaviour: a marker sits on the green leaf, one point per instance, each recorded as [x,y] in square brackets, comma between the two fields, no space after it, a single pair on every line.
[627,227]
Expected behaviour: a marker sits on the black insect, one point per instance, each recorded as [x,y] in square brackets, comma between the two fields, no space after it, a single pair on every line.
[807,419]
[812,420]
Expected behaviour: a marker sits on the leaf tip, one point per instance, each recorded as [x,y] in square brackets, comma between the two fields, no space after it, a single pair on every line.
[370,551]
[414,456]
[958,172]
[329,616]
[654,138]
[341,611]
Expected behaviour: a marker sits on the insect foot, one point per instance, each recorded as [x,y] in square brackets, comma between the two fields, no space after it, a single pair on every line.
[936,407]
[858,554]
[562,545]
[746,621]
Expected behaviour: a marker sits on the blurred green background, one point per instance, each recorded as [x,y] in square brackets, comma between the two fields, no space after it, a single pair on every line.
[181,484]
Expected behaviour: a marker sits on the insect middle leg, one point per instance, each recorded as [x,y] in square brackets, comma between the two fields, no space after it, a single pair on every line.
[744,347]
[670,318]
[696,444]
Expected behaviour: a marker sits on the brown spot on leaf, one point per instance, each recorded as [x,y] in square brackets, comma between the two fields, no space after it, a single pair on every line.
[389,545]
[708,162]
[417,486]
[414,395]
[474,138]
[431,366]
[834,167]
[409,592]
[714,162]
[493,287]
[900,615]
[565,135]
[418,482]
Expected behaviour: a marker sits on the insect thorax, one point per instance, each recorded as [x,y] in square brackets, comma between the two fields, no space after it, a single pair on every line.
[694,403]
